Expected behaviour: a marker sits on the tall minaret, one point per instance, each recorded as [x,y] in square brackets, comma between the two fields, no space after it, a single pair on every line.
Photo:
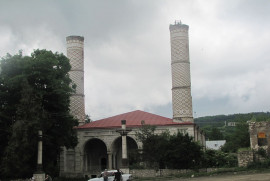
[181,86]
[75,53]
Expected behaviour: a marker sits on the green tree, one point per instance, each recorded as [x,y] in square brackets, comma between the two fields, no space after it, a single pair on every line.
[183,152]
[145,132]
[19,150]
[165,150]
[155,150]
[87,119]
[215,134]
[34,95]
[217,158]
[239,138]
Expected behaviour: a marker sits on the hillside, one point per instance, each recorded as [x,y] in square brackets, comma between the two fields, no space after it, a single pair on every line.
[216,127]
[220,120]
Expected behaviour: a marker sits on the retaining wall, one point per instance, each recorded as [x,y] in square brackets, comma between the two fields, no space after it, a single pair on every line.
[163,172]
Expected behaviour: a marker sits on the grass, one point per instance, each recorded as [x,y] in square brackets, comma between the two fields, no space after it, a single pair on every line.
[244,149]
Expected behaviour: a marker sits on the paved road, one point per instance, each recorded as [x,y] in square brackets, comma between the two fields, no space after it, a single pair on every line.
[245,177]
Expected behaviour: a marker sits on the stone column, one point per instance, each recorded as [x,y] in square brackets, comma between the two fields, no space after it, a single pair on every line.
[124,133]
[124,145]
[181,84]
[39,174]
[39,160]
[75,53]
[109,160]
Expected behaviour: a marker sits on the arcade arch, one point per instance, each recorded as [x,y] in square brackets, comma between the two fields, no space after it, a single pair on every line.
[95,155]
[116,150]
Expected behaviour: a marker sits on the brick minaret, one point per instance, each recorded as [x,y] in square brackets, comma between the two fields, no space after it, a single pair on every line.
[181,86]
[75,53]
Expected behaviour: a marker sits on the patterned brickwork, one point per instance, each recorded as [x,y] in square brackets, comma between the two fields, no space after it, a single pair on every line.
[179,50]
[75,53]
[76,58]
[179,27]
[180,76]
[77,106]
[182,103]
[77,78]
[181,83]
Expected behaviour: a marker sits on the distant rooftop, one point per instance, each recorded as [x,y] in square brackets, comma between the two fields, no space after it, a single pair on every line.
[215,145]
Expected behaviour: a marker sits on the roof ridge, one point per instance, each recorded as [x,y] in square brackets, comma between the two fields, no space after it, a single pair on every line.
[133,119]
[117,115]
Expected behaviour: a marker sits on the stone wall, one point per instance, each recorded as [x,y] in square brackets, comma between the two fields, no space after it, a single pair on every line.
[73,162]
[255,130]
[245,157]
[163,172]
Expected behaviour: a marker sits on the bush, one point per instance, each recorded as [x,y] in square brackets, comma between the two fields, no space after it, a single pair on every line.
[217,158]
[259,164]
[262,152]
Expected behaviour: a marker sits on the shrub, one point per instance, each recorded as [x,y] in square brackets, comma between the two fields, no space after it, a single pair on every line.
[217,158]
[262,152]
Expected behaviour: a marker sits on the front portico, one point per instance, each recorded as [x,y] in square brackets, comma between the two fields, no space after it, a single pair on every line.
[99,155]
[100,143]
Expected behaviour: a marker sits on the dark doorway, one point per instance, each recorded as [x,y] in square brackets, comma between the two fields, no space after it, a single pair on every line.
[95,157]
[103,163]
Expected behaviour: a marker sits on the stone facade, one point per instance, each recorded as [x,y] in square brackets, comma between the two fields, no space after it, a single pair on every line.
[101,148]
[75,53]
[249,156]
[259,135]
[245,157]
[259,138]
[141,173]
[181,83]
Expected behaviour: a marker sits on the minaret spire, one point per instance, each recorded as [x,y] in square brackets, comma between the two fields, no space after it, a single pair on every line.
[181,84]
[75,53]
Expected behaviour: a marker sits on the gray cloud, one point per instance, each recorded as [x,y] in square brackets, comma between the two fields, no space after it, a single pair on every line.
[127,50]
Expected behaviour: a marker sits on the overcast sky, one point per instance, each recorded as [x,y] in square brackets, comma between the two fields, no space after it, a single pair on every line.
[127,50]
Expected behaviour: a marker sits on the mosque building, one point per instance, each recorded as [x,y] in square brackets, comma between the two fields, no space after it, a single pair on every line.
[105,143]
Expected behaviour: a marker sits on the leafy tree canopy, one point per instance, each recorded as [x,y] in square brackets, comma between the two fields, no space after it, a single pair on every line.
[217,158]
[238,139]
[34,95]
[168,151]
[183,152]
[213,133]
[87,119]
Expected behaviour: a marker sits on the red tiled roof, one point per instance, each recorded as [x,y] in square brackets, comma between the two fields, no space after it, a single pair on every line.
[133,119]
